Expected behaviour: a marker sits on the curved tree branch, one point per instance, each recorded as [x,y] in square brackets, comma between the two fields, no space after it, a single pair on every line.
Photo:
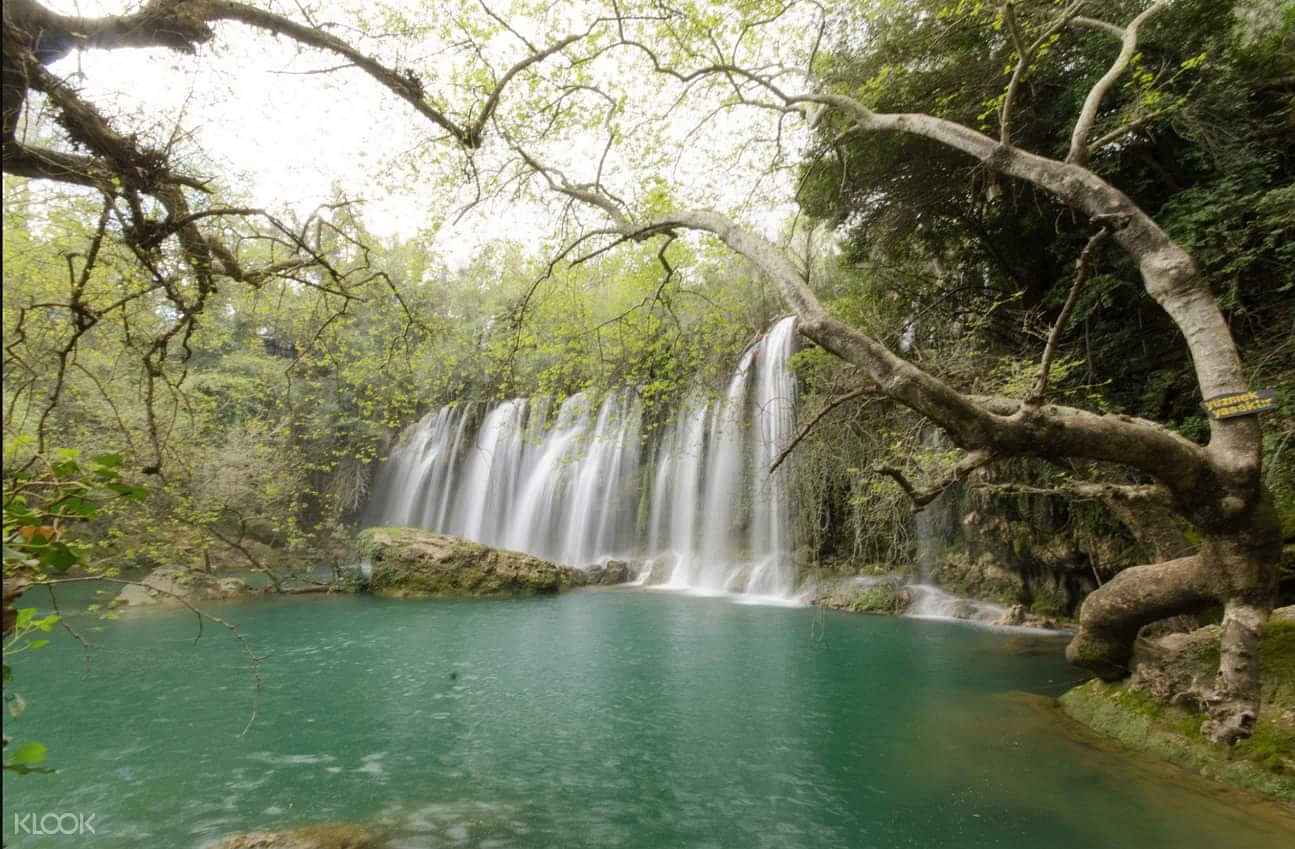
[809,426]
[1088,115]
[1002,427]
[1112,614]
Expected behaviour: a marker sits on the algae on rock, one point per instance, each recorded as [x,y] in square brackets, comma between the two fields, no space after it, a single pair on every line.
[885,597]
[408,562]
[1159,709]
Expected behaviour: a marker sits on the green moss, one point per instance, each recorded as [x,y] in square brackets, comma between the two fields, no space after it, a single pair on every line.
[884,598]
[1271,747]
[1049,599]
[1173,734]
[981,578]
[1277,663]
[1265,762]
[342,837]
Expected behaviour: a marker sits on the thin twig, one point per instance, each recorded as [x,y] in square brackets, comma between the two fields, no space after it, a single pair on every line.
[199,613]
[804,431]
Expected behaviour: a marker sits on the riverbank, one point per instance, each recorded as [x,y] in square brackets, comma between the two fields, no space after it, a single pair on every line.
[1159,709]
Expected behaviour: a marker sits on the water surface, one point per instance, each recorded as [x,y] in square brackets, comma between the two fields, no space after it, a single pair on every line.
[593,719]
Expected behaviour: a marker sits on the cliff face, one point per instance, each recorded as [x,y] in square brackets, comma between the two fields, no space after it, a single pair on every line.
[1044,552]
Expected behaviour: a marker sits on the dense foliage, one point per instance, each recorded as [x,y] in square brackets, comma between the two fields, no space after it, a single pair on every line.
[968,272]
[272,418]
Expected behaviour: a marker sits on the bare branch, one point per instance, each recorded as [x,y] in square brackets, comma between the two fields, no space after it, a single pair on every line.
[1117,134]
[1078,154]
[1082,268]
[1100,26]
[920,498]
[1025,55]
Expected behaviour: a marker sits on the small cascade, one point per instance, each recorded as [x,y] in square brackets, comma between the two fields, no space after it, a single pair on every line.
[931,602]
[936,526]
[581,487]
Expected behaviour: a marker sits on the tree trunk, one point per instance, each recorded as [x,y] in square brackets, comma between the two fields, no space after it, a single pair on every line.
[1237,570]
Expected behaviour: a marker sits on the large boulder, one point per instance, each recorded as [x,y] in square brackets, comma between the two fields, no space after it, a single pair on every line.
[414,563]
[1018,616]
[170,586]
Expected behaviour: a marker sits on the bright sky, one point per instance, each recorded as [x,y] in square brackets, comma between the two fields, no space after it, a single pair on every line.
[284,137]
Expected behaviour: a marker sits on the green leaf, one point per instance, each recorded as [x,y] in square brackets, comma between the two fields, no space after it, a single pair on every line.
[127,491]
[109,461]
[58,557]
[28,754]
[47,623]
[75,505]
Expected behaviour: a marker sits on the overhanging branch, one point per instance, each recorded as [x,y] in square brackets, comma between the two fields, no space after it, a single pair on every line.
[922,497]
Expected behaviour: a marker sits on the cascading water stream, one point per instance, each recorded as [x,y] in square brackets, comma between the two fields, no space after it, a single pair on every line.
[583,487]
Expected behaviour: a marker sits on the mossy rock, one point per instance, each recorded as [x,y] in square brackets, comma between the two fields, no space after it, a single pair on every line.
[883,598]
[1049,598]
[413,563]
[1157,710]
[981,578]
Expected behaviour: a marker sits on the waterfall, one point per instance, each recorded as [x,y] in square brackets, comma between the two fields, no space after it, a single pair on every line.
[584,486]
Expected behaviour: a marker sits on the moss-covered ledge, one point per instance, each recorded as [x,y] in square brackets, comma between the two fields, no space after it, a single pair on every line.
[414,563]
[887,597]
[1157,711]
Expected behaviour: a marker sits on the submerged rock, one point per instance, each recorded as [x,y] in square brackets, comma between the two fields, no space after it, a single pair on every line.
[339,836]
[173,585]
[411,563]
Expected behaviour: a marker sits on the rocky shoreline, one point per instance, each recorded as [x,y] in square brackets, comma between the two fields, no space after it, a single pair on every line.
[413,563]
[895,595]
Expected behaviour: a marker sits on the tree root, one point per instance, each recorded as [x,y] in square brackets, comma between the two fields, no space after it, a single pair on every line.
[1112,615]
